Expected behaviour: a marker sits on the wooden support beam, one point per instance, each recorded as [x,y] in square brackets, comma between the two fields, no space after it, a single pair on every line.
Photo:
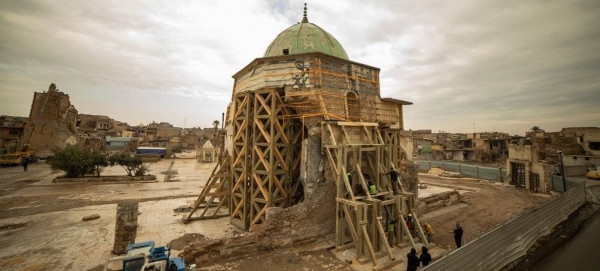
[363,226]
[362,181]
[351,225]
[384,239]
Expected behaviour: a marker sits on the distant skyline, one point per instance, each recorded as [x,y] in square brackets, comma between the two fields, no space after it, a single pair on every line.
[466,65]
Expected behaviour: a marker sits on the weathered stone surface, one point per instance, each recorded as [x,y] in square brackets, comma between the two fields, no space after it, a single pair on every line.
[91,217]
[125,226]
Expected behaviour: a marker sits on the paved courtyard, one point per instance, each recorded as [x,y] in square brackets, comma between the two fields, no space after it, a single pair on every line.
[41,223]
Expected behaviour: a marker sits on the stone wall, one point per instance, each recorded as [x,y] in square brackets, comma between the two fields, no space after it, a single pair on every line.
[437,201]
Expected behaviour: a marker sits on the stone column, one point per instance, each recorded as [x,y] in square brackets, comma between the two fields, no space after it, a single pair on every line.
[125,226]
[410,178]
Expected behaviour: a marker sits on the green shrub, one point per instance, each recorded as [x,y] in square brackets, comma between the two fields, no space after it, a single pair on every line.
[78,162]
[131,163]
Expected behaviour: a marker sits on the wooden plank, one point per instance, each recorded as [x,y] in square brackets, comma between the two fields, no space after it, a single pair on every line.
[384,238]
[419,229]
[331,138]
[263,105]
[278,184]
[362,181]
[409,234]
[258,216]
[261,157]
[350,223]
[368,124]
[345,135]
[363,226]
[260,185]
[354,204]
[260,127]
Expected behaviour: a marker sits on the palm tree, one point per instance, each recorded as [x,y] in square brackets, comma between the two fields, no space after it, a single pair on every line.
[216,124]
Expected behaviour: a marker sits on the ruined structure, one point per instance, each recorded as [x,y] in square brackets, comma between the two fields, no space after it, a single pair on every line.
[482,147]
[307,130]
[11,129]
[52,121]
[533,160]
[99,126]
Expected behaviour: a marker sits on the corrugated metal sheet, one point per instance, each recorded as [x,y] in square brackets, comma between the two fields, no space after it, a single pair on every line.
[510,241]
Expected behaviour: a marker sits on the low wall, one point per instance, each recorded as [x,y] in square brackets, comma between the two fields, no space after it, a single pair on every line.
[437,201]
[106,179]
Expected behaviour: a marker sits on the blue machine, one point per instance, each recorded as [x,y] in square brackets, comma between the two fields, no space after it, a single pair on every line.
[154,255]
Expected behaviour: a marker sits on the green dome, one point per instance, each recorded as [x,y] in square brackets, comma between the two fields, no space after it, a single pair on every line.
[303,38]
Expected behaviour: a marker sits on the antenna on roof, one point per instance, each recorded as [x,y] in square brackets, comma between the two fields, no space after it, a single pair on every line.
[304,19]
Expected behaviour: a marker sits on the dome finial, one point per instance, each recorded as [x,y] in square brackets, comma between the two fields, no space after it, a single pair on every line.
[304,19]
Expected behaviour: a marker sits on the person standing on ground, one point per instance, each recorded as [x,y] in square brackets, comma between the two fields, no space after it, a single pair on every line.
[24,162]
[458,233]
[394,177]
[410,225]
[413,261]
[391,229]
[428,231]
[425,257]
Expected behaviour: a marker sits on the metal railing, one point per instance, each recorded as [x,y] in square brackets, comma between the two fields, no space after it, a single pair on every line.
[509,242]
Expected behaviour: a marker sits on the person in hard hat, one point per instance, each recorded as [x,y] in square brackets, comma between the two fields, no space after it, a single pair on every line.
[409,223]
[428,231]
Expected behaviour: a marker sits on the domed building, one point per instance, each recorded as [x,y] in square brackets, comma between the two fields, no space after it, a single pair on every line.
[307,131]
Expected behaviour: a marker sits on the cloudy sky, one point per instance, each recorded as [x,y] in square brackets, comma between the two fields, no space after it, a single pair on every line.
[466,65]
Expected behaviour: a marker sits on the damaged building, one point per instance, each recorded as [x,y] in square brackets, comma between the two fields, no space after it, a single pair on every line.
[11,129]
[307,131]
[52,122]
[533,160]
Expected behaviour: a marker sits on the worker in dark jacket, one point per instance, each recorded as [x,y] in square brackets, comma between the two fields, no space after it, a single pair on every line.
[425,257]
[458,233]
[413,261]
[394,178]
[24,163]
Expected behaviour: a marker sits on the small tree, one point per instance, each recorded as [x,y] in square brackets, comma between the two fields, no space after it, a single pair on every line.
[535,129]
[78,162]
[131,163]
[216,124]
[99,162]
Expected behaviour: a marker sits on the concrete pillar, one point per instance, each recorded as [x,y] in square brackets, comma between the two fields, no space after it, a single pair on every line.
[125,226]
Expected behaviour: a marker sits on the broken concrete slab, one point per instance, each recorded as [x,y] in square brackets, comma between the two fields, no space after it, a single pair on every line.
[90,217]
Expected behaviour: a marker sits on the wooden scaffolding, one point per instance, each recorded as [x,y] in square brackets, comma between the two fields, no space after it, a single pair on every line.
[263,169]
[358,154]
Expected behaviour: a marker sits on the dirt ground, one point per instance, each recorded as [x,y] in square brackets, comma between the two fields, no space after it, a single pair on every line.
[33,208]
[488,205]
